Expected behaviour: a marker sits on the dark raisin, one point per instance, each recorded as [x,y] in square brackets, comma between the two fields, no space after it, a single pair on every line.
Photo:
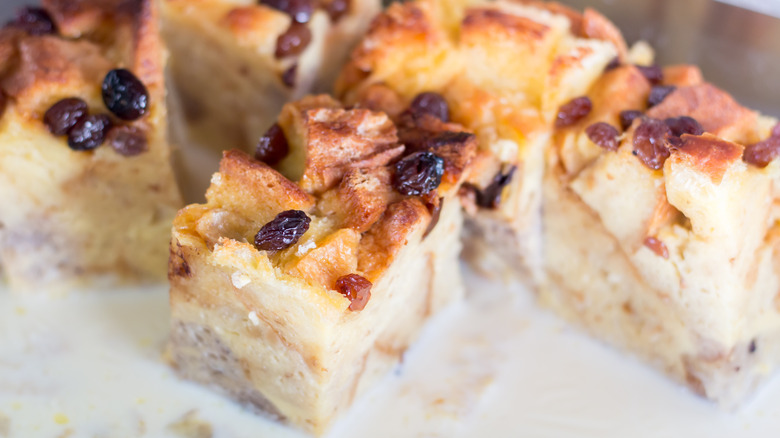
[650,143]
[435,209]
[627,118]
[337,9]
[293,41]
[762,153]
[490,196]
[752,348]
[418,173]
[283,231]
[299,10]
[613,64]
[356,288]
[89,132]
[288,77]
[63,115]
[125,95]
[127,140]
[430,103]
[659,93]
[3,103]
[657,246]
[604,135]
[573,111]
[684,125]
[273,146]
[652,73]
[35,21]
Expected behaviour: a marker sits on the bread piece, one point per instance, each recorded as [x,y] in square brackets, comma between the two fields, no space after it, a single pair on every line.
[226,76]
[269,328]
[676,260]
[504,68]
[72,216]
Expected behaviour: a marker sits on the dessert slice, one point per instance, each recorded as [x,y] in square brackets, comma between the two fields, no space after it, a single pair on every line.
[662,229]
[502,68]
[85,176]
[293,294]
[235,63]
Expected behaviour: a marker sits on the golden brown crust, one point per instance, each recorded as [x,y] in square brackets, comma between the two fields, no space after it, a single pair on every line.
[708,154]
[597,26]
[682,75]
[502,25]
[364,195]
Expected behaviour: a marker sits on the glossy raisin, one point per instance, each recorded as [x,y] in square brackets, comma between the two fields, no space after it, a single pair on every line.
[288,77]
[293,41]
[573,111]
[432,104]
[35,21]
[490,196]
[762,153]
[299,10]
[283,231]
[89,132]
[337,9]
[604,135]
[128,141]
[125,95]
[418,173]
[650,143]
[627,118]
[652,73]
[657,246]
[356,288]
[684,125]
[659,93]
[273,146]
[63,115]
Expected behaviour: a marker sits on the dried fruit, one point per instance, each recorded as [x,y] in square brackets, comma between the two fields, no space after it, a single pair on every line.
[356,288]
[434,208]
[604,135]
[650,143]
[657,246]
[127,140]
[432,104]
[652,73]
[3,102]
[125,95]
[89,132]
[762,153]
[418,173]
[573,111]
[490,196]
[288,77]
[273,146]
[659,93]
[35,21]
[337,9]
[293,41]
[63,115]
[299,10]
[627,118]
[684,125]
[283,231]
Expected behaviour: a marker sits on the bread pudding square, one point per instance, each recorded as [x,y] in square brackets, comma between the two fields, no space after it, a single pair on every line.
[293,294]
[661,231]
[503,68]
[85,175]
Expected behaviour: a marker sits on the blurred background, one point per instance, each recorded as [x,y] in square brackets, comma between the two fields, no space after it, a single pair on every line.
[737,49]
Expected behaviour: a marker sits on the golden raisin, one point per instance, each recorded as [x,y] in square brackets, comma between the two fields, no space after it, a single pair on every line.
[356,288]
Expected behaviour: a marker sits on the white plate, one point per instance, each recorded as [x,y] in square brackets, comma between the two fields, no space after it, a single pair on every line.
[90,365]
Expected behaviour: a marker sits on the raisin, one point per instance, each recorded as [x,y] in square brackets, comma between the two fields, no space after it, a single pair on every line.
[356,288]
[434,209]
[752,348]
[430,103]
[273,146]
[128,141]
[573,111]
[659,93]
[762,153]
[89,132]
[299,10]
[613,64]
[337,9]
[652,73]
[293,41]
[35,21]
[125,95]
[650,143]
[283,231]
[63,115]
[490,196]
[627,118]
[604,135]
[684,125]
[288,77]
[418,173]
[3,103]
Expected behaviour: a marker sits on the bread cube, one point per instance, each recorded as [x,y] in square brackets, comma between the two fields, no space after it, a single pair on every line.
[299,326]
